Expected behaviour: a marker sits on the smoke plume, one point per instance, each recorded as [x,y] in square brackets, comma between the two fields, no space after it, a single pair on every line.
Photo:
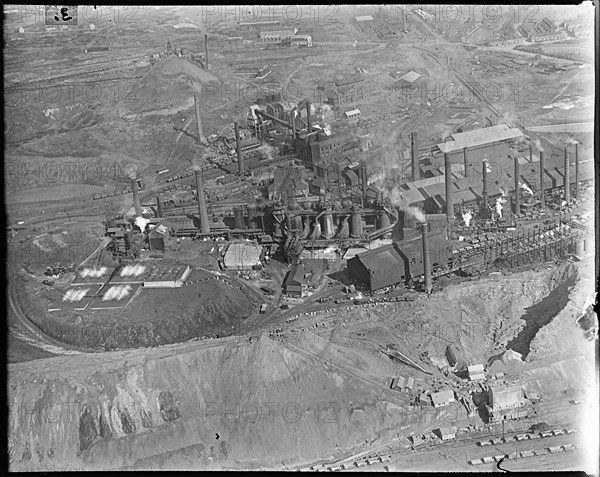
[538,145]
[141,222]
[526,188]
[499,203]
[467,217]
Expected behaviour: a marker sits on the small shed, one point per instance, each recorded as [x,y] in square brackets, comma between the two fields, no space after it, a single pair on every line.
[157,238]
[446,433]
[410,383]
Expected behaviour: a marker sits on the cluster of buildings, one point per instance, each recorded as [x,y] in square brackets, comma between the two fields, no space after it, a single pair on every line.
[507,35]
[285,38]
[544,30]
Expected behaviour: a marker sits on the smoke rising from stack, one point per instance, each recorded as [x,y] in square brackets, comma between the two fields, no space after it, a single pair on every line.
[141,222]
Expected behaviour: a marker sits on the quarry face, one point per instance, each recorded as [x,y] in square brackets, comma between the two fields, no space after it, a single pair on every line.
[361,238]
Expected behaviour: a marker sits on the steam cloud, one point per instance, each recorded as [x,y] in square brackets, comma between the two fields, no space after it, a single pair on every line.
[141,222]
[499,203]
[526,188]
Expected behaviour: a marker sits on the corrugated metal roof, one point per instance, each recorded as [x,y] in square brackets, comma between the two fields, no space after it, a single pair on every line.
[381,258]
[296,275]
[410,77]
[364,18]
[477,137]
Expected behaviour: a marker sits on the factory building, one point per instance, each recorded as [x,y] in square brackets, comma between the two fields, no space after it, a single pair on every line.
[157,238]
[166,277]
[242,256]
[442,398]
[506,402]
[294,280]
[402,260]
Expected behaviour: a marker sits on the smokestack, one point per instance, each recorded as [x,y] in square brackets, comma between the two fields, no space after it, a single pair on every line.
[448,177]
[198,120]
[158,207]
[308,122]
[206,51]
[293,123]
[238,149]
[415,172]
[484,191]
[466,162]
[576,171]
[363,179]
[136,198]
[426,257]
[517,197]
[567,178]
[542,171]
[204,225]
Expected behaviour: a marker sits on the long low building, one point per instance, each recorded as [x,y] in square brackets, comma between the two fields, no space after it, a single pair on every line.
[242,256]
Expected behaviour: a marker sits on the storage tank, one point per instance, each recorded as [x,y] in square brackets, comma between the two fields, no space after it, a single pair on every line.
[238,218]
[343,228]
[252,213]
[316,235]
[328,225]
[384,220]
[579,247]
[306,230]
[297,223]
[356,221]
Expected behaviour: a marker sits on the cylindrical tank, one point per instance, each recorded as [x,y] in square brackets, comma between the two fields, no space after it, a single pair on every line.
[238,218]
[306,230]
[384,220]
[356,222]
[344,232]
[252,220]
[588,244]
[277,229]
[296,222]
[328,225]
[579,247]
[316,235]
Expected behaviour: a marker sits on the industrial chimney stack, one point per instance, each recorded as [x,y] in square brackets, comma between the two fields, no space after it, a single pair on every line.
[466,162]
[484,194]
[576,171]
[517,197]
[449,201]
[542,170]
[567,178]
[204,225]
[159,212]
[308,121]
[363,179]
[426,257]
[414,157]
[136,198]
[238,149]
[206,51]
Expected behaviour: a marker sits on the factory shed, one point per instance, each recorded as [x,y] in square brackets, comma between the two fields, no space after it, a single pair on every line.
[506,402]
[476,372]
[157,238]
[480,137]
[410,77]
[242,256]
[166,277]
[294,280]
[442,398]
[378,268]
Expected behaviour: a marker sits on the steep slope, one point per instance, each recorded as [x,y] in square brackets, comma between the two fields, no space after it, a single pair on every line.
[165,89]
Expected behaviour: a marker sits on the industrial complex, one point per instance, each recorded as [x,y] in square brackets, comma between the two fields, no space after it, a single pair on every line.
[410,272]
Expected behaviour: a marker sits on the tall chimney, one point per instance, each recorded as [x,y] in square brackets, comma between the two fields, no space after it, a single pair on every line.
[204,225]
[198,120]
[517,196]
[414,157]
[576,171]
[293,123]
[363,179]
[206,51]
[136,198]
[542,171]
[308,122]
[484,191]
[567,178]
[159,212]
[466,162]
[448,177]
[426,257]
[238,149]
